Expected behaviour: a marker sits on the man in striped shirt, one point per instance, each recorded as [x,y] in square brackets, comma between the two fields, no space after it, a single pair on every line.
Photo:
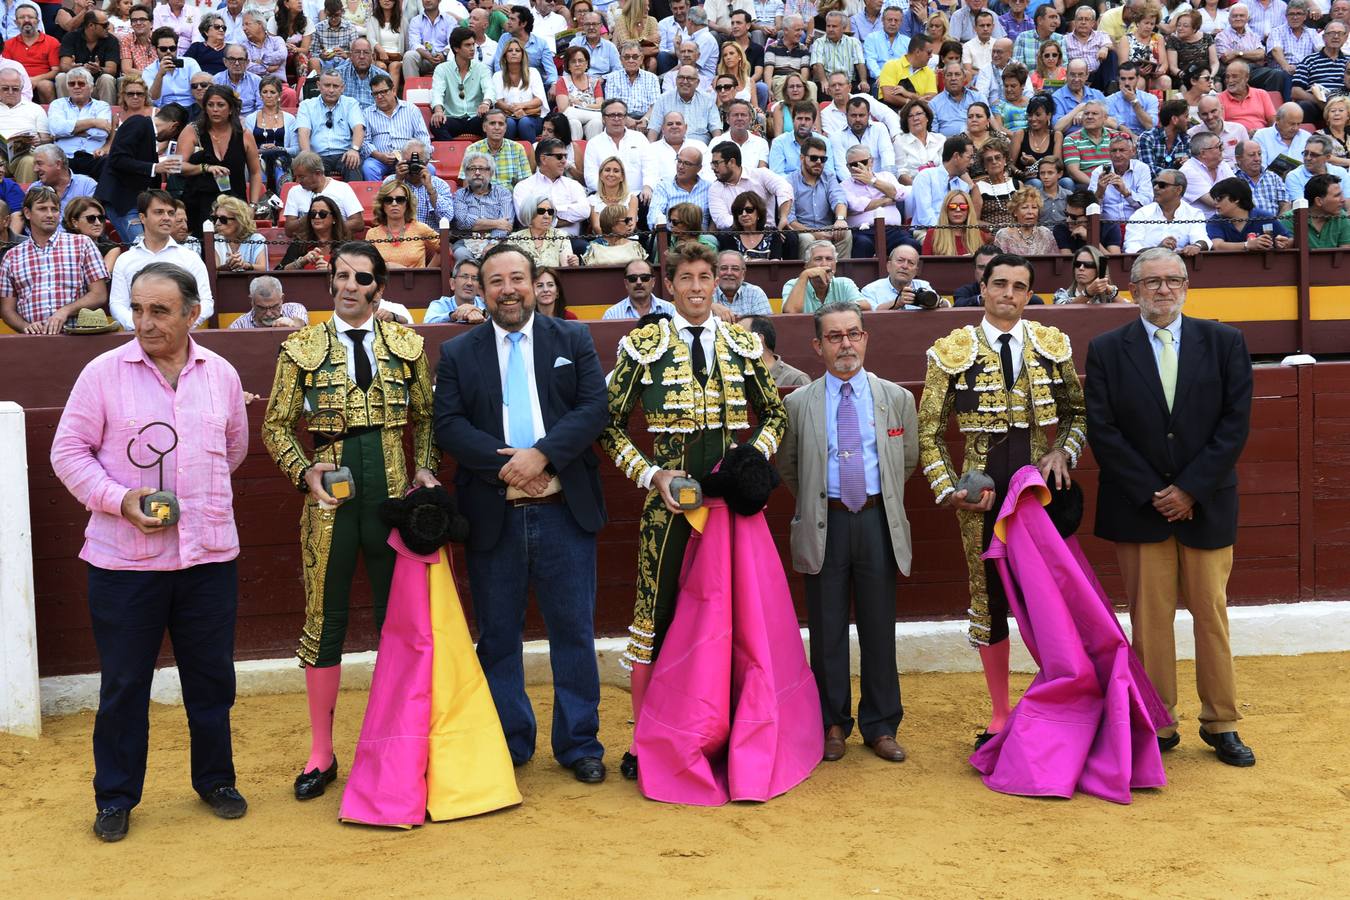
[1321,75]
[390,125]
[635,86]
[1290,42]
[687,186]
[1089,147]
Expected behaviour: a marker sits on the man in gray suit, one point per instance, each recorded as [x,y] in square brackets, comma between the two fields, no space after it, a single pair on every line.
[851,442]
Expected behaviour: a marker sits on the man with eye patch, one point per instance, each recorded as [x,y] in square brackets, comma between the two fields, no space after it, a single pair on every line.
[354,383]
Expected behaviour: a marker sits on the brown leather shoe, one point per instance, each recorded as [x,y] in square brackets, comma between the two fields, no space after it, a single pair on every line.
[888,749]
[834,743]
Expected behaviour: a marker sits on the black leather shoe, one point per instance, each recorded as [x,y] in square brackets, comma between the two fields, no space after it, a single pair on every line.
[309,785]
[1168,743]
[983,738]
[589,770]
[226,802]
[111,824]
[1229,748]
[628,767]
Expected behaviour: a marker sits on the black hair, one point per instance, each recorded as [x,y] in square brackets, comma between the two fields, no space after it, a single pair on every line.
[1009,259]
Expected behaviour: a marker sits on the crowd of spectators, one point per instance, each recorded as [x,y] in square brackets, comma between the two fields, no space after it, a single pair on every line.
[768,129]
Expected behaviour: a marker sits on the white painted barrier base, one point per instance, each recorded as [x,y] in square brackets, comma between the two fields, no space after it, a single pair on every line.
[19,709]
[1284,629]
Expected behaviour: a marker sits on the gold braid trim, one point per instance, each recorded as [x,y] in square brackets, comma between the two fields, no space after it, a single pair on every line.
[1049,341]
[401,340]
[647,344]
[308,347]
[741,342]
[956,352]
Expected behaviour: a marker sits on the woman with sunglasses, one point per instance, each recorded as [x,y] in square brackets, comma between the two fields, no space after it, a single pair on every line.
[1038,140]
[322,230]
[578,95]
[748,215]
[957,233]
[219,156]
[209,52]
[1050,73]
[1196,83]
[990,198]
[539,239]
[137,49]
[239,247]
[687,221]
[613,189]
[1091,282]
[520,92]
[274,132]
[549,299]
[86,216]
[615,246]
[403,240]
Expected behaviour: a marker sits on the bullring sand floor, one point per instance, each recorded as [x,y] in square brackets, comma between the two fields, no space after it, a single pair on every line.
[856,828]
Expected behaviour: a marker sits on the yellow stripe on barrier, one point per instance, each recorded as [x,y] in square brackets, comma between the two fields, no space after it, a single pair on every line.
[1264,304]
[1329,303]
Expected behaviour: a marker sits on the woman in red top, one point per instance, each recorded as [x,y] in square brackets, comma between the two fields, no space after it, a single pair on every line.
[956,233]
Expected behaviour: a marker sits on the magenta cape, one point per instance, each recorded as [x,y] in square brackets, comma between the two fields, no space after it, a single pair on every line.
[431,743]
[1089,719]
[732,711]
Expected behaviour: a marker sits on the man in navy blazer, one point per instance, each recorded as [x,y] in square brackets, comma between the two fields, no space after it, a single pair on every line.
[1168,408]
[520,400]
[134,166]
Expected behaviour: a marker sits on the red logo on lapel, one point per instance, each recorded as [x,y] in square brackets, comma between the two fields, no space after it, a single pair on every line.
[894,432]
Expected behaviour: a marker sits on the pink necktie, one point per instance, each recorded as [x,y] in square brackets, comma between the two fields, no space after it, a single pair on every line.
[852,478]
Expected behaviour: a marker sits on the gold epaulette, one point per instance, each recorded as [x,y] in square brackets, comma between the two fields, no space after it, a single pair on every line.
[647,344]
[402,341]
[956,352]
[1049,341]
[308,347]
[742,342]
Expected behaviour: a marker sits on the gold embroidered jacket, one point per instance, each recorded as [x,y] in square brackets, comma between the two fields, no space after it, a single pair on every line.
[654,368]
[312,378]
[964,373]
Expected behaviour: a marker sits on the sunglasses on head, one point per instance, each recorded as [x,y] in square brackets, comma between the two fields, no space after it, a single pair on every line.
[637,279]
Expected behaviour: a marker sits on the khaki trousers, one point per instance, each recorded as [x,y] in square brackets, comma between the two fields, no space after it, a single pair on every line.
[1156,576]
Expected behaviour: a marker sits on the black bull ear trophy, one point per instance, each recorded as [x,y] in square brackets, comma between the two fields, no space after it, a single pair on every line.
[162,504]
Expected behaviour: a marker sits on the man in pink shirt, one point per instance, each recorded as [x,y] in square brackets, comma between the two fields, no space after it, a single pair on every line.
[146,575]
[1249,107]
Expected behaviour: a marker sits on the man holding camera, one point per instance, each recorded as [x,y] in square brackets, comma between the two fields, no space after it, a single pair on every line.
[357,381]
[431,193]
[901,288]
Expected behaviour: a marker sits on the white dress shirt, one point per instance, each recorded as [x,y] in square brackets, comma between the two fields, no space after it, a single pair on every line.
[709,341]
[500,335]
[568,196]
[1146,227]
[754,151]
[631,151]
[834,120]
[367,343]
[137,257]
[1018,332]
[660,163]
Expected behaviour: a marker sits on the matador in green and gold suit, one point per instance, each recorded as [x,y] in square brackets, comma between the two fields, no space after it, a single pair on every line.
[362,430]
[1004,429]
[692,426]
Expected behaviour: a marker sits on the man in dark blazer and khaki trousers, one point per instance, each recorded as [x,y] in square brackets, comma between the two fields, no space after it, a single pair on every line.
[847,467]
[1169,407]
[520,400]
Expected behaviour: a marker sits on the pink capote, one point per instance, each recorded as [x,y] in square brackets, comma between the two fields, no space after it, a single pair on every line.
[1089,719]
[732,711]
[431,743]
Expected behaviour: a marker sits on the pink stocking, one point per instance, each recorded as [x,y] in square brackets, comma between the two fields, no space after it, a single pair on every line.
[641,676]
[994,658]
[321,686]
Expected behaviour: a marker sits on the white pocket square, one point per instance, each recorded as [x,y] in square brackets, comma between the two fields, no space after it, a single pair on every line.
[561,361]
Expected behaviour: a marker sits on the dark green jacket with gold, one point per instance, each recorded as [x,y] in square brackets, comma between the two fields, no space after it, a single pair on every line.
[311,379]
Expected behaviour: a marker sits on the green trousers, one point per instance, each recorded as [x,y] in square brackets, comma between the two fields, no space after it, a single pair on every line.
[357,529]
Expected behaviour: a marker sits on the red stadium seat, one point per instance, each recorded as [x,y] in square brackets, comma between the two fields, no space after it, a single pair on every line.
[449,156]
[275,251]
[422,81]
[426,114]
[365,192]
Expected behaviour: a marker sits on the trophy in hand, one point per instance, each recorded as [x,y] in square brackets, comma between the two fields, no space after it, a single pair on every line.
[975,482]
[162,504]
[338,482]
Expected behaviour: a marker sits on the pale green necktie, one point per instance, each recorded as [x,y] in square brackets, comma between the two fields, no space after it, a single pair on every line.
[1167,366]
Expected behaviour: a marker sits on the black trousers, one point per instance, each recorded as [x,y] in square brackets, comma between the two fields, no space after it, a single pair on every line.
[130,612]
[859,566]
[454,127]
[1011,452]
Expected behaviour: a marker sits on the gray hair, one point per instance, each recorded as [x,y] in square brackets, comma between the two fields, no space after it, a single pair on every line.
[265,286]
[1149,255]
[836,14]
[181,278]
[255,16]
[794,19]
[79,73]
[629,45]
[204,26]
[1322,141]
[53,153]
[475,156]
[1202,141]
[837,306]
[307,160]
[525,212]
[1177,174]
[414,144]
[811,247]
[698,16]
[1296,4]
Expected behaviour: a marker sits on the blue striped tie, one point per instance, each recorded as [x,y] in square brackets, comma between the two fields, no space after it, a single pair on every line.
[518,416]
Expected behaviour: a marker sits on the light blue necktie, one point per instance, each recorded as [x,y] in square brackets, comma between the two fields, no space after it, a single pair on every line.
[519,419]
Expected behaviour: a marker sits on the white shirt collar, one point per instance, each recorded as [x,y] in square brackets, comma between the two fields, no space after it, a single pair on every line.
[991,332]
[500,333]
[342,327]
[681,323]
